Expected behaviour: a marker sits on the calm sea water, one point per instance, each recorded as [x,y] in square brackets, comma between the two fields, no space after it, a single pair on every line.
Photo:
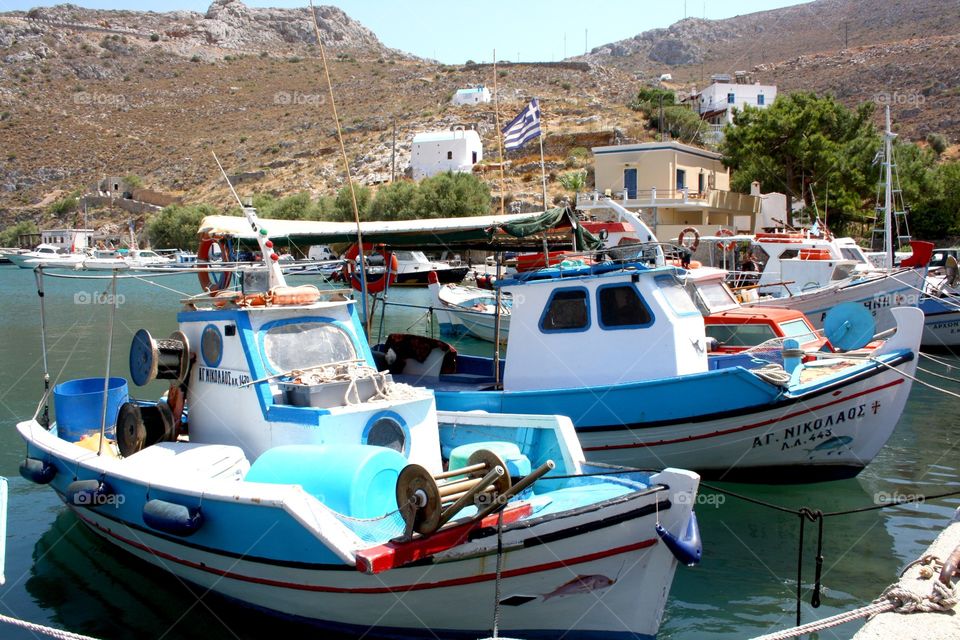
[59,574]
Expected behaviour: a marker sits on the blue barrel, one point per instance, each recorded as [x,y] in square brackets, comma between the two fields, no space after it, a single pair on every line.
[357,480]
[79,406]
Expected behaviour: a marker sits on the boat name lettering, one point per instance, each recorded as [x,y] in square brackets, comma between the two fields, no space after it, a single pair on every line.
[223,376]
[811,430]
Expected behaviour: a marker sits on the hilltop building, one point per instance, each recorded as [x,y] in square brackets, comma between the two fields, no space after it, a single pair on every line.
[716,102]
[675,185]
[434,152]
[474,95]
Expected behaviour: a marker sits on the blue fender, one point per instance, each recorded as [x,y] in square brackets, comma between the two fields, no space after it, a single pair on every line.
[89,493]
[687,550]
[173,518]
[38,471]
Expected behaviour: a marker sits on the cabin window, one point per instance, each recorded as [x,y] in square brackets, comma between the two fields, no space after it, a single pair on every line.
[789,253]
[740,335]
[386,432]
[621,307]
[850,253]
[677,297]
[566,310]
[715,296]
[300,345]
[798,329]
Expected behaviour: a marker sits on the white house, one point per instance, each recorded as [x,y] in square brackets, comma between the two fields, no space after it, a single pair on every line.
[68,239]
[474,95]
[716,102]
[438,151]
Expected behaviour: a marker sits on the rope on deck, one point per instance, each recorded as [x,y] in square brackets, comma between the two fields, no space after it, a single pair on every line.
[46,631]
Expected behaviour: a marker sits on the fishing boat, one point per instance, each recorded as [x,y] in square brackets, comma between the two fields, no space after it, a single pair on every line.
[468,310]
[622,350]
[941,303]
[283,470]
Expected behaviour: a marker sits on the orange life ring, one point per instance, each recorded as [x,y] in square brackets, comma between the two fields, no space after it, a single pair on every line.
[210,281]
[350,271]
[726,246]
[696,238]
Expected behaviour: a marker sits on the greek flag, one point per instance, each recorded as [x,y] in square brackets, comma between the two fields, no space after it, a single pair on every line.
[523,128]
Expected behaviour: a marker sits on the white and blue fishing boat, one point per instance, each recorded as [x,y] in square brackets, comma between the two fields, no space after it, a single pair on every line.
[621,349]
[282,470]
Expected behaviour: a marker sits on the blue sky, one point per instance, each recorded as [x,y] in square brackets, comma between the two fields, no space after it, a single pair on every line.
[454,31]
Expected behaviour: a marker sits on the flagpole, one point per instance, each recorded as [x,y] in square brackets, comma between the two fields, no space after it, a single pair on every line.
[543,171]
[498,295]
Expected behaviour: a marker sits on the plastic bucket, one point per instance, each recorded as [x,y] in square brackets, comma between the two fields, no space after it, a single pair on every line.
[79,406]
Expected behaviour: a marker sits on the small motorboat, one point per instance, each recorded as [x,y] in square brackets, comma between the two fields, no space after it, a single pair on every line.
[414,267]
[48,257]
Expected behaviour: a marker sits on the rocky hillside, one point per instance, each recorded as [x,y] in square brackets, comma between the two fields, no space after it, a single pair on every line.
[88,94]
[902,51]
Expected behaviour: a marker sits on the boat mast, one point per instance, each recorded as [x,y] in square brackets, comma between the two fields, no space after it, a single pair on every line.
[888,137]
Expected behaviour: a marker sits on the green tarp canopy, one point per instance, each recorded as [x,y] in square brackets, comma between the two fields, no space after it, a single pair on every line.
[515,232]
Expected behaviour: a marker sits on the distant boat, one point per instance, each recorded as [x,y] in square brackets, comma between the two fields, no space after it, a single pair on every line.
[47,256]
[135,259]
[414,267]
[471,310]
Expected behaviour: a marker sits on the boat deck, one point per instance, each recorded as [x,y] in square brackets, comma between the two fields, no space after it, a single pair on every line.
[448,381]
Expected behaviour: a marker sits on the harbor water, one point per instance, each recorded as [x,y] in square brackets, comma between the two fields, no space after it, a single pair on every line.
[61,575]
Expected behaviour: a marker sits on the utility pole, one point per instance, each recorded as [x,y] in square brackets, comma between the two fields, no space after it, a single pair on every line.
[584,42]
[393,152]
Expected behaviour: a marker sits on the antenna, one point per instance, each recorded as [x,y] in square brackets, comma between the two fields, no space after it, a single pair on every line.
[269,256]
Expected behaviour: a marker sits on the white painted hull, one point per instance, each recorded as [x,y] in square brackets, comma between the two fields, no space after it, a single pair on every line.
[830,435]
[447,597]
[878,293]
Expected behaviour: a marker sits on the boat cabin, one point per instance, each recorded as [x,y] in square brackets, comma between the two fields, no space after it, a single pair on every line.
[601,323]
[274,375]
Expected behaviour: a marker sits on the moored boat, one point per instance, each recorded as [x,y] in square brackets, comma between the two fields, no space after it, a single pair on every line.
[284,471]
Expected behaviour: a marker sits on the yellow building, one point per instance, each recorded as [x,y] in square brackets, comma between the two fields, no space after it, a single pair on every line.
[675,185]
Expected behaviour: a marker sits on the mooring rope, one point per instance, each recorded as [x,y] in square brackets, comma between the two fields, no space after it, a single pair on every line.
[895,598]
[46,631]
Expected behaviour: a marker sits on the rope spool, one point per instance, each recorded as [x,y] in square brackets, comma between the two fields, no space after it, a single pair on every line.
[166,359]
[427,502]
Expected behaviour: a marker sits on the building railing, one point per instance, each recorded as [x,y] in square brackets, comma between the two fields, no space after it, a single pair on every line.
[711,198]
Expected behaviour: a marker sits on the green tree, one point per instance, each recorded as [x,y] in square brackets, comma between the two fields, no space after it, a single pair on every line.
[176,226]
[396,201]
[453,195]
[10,236]
[648,99]
[936,212]
[678,122]
[803,142]
[343,205]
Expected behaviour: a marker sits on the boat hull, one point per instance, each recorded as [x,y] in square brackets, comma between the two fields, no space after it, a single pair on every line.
[878,293]
[941,325]
[453,275]
[255,547]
